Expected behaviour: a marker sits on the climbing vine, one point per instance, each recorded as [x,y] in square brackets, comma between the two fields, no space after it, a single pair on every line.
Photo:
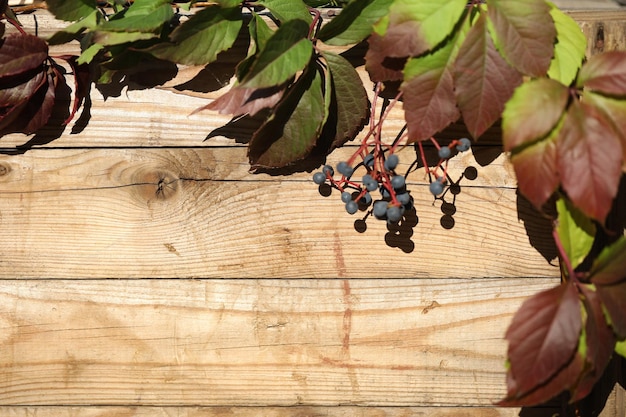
[563,120]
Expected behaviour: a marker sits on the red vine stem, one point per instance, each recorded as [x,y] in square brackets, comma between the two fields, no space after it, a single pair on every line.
[563,255]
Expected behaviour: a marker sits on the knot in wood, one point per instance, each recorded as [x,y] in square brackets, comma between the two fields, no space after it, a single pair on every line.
[158,184]
[4,169]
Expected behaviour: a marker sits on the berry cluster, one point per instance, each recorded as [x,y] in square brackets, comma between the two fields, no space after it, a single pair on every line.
[379,161]
[380,165]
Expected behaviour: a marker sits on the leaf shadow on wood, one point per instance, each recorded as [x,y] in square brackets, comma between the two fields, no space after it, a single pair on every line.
[538,226]
[590,406]
[147,72]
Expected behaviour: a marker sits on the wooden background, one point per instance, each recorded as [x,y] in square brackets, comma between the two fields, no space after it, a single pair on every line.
[145,272]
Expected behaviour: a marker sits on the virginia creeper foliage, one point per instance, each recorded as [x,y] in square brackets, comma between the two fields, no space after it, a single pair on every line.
[563,118]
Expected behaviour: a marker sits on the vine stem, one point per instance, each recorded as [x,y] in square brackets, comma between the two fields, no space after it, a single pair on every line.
[563,255]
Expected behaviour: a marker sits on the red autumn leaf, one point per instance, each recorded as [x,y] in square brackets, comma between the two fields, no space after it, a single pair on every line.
[525,33]
[39,108]
[614,110]
[536,171]
[484,81]
[563,380]
[20,53]
[387,54]
[613,298]
[15,99]
[605,73]
[589,159]
[610,266]
[241,100]
[600,341]
[543,337]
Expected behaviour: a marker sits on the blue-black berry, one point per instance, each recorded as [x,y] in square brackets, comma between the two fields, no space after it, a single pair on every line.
[352,207]
[444,153]
[391,162]
[319,178]
[436,187]
[345,169]
[464,145]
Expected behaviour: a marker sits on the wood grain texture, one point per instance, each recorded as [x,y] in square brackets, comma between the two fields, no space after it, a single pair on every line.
[257,342]
[198,213]
[344,411]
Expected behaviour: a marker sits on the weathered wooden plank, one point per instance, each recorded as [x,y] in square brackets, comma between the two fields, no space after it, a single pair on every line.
[256,342]
[344,411]
[195,213]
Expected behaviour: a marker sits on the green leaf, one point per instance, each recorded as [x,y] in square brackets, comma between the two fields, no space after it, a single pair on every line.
[72,31]
[524,33]
[260,32]
[285,10]
[285,53]
[89,53]
[620,348]
[436,18]
[354,23]
[428,97]
[71,10]
[570,48]
[522,124]
[118,38]
[291,132]
[576,231]
[199,40]
[350,105]
[140,17]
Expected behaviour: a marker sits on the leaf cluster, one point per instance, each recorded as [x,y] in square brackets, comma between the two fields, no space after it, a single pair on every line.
[32,83]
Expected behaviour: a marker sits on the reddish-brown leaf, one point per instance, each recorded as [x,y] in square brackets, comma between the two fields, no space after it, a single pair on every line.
[15,99]
[613,298]
[20,53]
[543,337]
[387,54]
[484,81]
[600,341]
[610,266]
[241,100]
[536,171]
[589,159]
[614,110]
[605,72]
[40,106]
[525,33]
[560,382]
